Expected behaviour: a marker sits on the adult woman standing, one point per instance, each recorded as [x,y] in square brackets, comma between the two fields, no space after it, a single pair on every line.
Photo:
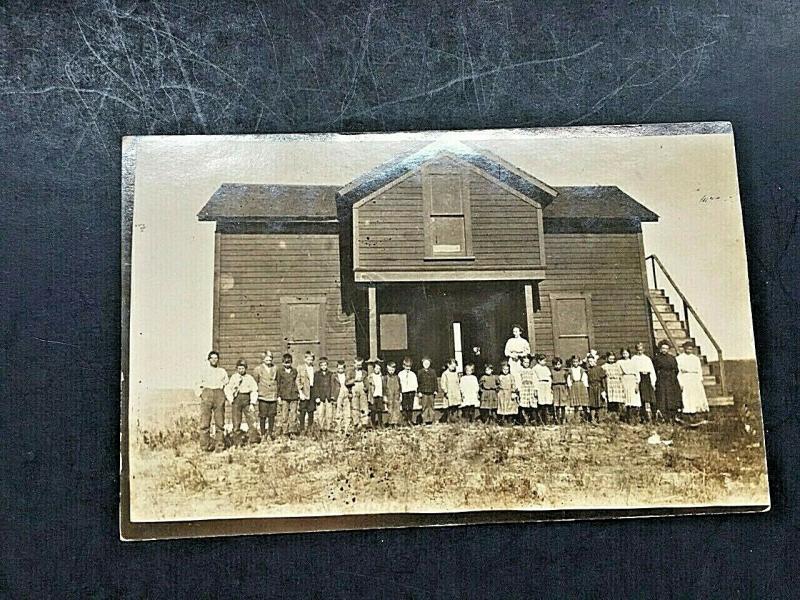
[668,390]
[516,347]
[690,378]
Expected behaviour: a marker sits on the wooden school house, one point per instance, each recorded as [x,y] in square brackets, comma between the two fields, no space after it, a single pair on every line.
[437,252]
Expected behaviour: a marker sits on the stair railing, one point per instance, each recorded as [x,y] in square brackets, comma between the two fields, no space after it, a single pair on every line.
[663,323]
[687,309]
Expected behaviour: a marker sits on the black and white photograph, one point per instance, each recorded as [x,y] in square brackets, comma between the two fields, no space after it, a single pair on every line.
[531,320]
[388,299]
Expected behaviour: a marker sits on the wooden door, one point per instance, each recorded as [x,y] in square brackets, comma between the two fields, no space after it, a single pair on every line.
[572,324]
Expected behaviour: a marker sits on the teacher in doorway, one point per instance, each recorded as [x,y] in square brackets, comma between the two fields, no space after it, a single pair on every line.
[516,347]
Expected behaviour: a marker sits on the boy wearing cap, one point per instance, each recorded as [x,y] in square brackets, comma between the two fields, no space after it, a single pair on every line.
[265,375]
[212,402]
[305,385]
[288,396]
[242,393]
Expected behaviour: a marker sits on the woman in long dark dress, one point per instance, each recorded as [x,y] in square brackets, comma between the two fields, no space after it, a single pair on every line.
[668,390]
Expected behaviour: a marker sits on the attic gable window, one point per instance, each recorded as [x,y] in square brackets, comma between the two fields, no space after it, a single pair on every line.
[447,213]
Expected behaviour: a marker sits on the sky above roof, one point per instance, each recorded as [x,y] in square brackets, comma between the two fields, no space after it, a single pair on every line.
[316,202]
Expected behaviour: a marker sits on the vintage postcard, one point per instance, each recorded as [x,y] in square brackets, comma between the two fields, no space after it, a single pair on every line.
[351,331]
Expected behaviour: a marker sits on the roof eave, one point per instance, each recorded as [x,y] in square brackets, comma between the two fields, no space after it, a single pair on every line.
[267,219]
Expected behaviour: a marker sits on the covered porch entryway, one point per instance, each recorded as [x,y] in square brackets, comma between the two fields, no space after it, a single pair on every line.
[468,320]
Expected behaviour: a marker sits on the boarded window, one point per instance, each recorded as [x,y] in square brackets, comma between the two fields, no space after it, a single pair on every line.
[447,212]
[394,332]
[572,324]
[571,316]
[448,235]
[303,323]
[446,194]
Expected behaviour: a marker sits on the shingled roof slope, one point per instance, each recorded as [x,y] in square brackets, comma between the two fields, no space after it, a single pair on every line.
[248,201]
[596,202]
[295,202]
[498,168]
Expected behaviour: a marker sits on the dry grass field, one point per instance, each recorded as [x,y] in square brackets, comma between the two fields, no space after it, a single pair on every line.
[450,467]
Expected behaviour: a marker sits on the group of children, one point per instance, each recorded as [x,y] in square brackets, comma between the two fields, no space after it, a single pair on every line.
[291,400]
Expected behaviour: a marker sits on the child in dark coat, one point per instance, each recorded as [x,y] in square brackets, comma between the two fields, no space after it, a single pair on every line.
[428,385]
[324,398]
[489,384]
[596,376]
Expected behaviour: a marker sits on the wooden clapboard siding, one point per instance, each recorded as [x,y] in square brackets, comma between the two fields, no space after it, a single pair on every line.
[254,271]
[389,229]
[608,266]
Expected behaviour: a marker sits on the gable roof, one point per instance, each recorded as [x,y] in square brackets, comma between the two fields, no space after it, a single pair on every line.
[247,201]
[596,202]
[260,202]
[305,203]
[499,169]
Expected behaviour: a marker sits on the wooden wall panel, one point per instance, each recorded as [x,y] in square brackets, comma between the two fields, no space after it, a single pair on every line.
[255,271]
[607,266]
[390,229]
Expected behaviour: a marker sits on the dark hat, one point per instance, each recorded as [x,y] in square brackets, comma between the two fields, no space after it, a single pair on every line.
[241,363]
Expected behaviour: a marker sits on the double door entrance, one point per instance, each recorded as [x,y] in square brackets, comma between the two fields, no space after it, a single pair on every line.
[466,321]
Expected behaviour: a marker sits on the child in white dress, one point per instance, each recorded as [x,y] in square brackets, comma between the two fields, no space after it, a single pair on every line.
[470,392]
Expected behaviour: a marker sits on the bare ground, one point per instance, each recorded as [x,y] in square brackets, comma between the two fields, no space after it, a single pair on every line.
[450,467]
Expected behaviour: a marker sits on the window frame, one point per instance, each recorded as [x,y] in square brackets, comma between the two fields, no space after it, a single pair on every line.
[428,172]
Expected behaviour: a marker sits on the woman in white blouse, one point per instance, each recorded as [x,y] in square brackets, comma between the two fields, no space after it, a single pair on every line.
[690,378]
[516,347]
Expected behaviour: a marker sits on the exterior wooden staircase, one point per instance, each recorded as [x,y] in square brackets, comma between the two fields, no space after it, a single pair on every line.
[669,324]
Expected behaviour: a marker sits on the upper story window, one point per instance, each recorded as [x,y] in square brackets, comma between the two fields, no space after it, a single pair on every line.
[447,213]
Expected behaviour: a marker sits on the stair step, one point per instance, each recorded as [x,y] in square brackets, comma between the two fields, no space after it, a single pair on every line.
[663,305]
[671,325]
[666,316]
[677,329]
[719,401]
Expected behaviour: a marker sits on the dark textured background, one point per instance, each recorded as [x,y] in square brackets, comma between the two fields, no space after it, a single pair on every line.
[75,77]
